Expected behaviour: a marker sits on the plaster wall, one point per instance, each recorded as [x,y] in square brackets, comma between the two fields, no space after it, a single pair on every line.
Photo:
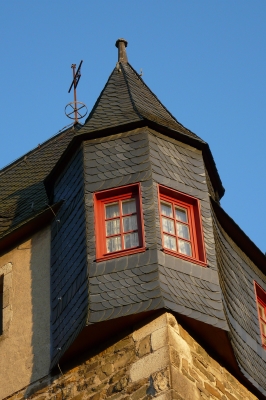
[24,344]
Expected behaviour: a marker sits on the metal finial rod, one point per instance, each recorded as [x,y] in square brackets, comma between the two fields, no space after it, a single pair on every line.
[76,78]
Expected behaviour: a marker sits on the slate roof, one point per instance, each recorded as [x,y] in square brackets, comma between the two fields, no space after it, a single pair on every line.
[237,275]
[22,192]
[125,99]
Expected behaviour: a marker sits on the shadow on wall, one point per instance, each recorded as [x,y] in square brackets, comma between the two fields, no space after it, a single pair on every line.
[40,295]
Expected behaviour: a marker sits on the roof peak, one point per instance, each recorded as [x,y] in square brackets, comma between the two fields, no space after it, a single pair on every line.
[121,44]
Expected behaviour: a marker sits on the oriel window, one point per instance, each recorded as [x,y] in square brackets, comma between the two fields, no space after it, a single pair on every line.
[181,225]
[261,304]
[118,222]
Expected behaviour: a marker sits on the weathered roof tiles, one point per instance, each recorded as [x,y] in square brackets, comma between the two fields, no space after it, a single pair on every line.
[126,99]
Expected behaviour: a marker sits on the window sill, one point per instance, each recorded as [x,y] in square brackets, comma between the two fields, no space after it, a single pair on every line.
[121,253]
[184,257]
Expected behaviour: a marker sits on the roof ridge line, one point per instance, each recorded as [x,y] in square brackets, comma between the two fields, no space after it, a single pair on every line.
[129,92]
[142,81]
[43,144]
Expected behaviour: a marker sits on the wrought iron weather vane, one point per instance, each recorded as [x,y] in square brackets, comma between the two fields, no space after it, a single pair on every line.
[73,109]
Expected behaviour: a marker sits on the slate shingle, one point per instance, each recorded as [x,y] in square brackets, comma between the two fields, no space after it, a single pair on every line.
[22,192]
[237,273]
[126,98]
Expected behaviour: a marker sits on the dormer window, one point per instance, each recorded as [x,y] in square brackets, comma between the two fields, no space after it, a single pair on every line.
[261,304]
[181,225]
[119,222]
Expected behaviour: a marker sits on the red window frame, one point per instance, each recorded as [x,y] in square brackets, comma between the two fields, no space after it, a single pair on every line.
[110,196]
[192,207]
[261,301]
[1,302]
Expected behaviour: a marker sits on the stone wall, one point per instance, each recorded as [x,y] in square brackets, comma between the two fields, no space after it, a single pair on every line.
[159,359]
[25,340]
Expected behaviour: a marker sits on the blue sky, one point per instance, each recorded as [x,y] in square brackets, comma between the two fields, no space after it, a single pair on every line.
[205,60]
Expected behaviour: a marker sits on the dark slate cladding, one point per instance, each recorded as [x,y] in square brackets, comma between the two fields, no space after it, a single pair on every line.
[210,186]
[186,288]
[22,192]
[191,290]
[237,274]
[149,280]
[69,283]
[180,167]
[126,99]
[128,284]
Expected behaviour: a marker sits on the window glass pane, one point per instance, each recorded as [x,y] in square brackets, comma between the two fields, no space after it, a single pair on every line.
[263,328]
[129,206]
[184,247]
[182,230]
[181,214]
[113,244]
[112,210]
[130,223]
[166,209]
[169,242]
[168,225]
[131,240]
[112,227]
[261,311]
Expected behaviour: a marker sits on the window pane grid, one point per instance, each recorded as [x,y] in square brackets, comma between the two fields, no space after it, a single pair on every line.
[122,235]
[262,318]
[178,218]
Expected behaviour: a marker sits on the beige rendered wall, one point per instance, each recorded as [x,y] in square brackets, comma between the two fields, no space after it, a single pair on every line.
[159,359]
[25,342]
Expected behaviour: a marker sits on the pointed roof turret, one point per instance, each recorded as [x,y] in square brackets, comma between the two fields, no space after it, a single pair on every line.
[127,99]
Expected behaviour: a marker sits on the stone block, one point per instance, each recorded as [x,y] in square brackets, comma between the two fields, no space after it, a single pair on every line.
[149,364]
[186,374]
[133,387]
[214,392]
[149,328]
[194,374]
[92,366]
[108,369]
[172,322]
[220,386]
[116,377]
[5,269]
[174,357]
[230,396]
[185,364]
[159,338]
[179,344]
[139,393]
[123,344]
[144,346]
[183,386]
[203,370]
[161,380]
[186,336]
[165,396]
[6,298]
[127,358]
[121,385]
[202,390]
[8,281]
